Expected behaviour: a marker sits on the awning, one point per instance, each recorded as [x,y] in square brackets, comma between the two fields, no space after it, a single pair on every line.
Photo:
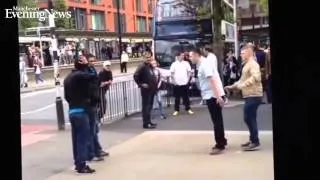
[32,39]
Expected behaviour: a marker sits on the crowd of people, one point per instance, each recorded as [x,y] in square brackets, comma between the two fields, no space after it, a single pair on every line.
[248,76]
[84,88]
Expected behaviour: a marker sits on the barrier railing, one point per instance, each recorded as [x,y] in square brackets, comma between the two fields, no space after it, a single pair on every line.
[122,99]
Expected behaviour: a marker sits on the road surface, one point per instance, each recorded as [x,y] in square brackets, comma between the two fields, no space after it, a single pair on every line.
[40,106]
[49,152]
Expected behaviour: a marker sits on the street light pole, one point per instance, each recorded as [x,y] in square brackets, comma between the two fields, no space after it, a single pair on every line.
[236,39]
[119,31]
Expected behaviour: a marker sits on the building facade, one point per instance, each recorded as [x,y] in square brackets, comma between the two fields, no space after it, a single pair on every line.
[101,15]
[253,22]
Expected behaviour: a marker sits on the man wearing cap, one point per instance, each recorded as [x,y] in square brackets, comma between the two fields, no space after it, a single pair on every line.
[105,77]
[78,95]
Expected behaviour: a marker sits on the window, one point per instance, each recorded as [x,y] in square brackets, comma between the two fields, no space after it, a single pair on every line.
[141,24]
[150,6]
[95,1]
[150,24]
[80,19]
[122,3]
[139,6]
[122,23]
[98,22]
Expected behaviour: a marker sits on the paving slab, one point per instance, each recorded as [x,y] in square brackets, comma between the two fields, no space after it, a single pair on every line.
[173,155]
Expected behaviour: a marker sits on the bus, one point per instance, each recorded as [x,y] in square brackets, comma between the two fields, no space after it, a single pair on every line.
[176,27]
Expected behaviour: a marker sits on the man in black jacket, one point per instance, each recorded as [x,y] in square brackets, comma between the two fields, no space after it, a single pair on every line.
[147,82]
[79,97]
[95,150]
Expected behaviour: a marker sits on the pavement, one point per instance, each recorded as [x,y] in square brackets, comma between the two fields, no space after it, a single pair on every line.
[177,149]
[49,83]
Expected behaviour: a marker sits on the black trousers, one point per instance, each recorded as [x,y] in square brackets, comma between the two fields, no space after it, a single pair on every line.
[147,103]
[215,111]
[124,67]
[181,91]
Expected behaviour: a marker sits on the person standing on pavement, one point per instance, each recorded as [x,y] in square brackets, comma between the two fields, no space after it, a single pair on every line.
[124,61]
[251,87]
[23,72]
[106,78]
[213,93]
[96,153]
[158,97]
[78,95]
[181,75]
[146,80]
[37,64]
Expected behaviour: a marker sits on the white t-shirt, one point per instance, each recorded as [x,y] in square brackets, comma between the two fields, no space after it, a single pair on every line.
[54,44]
[180,70]
[212,57]
[206,71]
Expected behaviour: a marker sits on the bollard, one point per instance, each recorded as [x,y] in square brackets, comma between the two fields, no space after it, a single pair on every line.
[59,109]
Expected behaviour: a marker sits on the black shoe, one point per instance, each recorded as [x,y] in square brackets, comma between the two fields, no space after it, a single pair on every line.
[216,151]
[86,170]
[103,153]
[245,144]
[251,147]
[149,126]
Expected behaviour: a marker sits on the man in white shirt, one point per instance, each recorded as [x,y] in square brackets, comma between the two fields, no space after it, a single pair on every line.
[213,93]
[181,73]
[208,53]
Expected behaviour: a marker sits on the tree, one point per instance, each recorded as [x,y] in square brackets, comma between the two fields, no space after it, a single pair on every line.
[65,23]
[265,5]
[26,22]
[217,11]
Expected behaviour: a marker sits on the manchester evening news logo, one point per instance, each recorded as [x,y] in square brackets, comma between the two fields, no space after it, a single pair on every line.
[34,13]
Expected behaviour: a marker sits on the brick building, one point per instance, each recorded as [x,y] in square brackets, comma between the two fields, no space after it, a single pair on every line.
[136,15]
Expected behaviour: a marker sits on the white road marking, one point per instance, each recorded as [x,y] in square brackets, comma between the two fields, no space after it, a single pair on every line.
[38,110]
[35,93]
[206,132]
[41,109]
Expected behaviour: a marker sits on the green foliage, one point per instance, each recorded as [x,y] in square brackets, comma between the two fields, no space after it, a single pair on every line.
[265,6]
[65,23]
[25,22]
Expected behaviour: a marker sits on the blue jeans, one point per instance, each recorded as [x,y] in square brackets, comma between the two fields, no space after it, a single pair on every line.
[158,100]
[250,117]
[94,146]
[80,130]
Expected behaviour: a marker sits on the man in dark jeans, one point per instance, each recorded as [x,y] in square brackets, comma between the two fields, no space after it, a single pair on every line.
[252,92]
[212,91]
[147,82]
[96,153]
[78,95]
[181,73]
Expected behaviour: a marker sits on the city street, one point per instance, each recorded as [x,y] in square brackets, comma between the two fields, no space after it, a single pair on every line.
[39,107]
[50,153]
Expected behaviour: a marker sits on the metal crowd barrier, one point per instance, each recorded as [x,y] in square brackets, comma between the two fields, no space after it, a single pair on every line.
[122,99]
